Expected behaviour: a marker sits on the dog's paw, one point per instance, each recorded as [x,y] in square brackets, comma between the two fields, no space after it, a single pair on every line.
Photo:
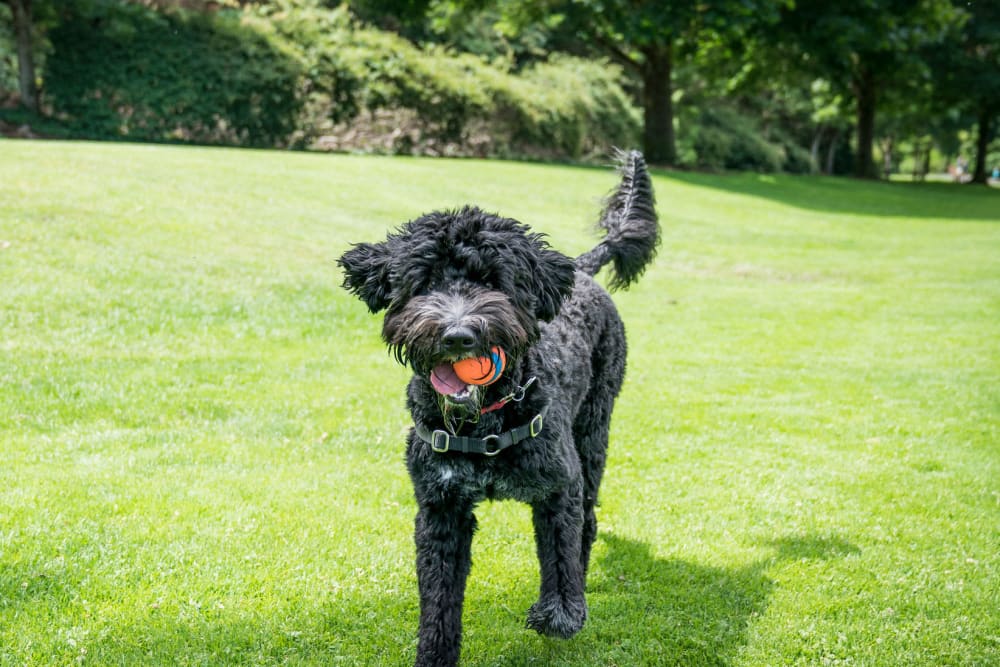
[557,618]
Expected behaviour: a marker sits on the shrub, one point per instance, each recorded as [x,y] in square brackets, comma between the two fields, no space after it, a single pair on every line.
[123,70]
[795,158]
[720,138]
[329,88]
[445,102]
[581,105]
[291,72]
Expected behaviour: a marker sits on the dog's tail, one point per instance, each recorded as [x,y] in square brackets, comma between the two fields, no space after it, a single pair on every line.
[632,232]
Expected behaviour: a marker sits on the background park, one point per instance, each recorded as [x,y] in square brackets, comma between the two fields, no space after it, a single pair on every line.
[201,434]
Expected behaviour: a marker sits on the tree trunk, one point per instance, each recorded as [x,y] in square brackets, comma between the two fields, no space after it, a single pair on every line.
[864,90]
[21,11]
[831,152]
[658,106]
[887,147]
[921,155]
[982,145]
[814,148]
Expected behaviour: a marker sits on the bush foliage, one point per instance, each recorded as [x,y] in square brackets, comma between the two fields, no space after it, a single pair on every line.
[715,137]
[292,74]
[122,70]
[459,102]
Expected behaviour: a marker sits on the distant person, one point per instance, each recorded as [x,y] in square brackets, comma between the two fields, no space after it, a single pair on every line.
[961,168]
[996,173]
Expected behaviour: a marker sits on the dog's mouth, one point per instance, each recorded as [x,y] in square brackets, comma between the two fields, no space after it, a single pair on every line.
[455,394]
[459,401]
[447,383]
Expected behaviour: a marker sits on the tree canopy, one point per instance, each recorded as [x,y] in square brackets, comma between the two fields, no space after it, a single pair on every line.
[864,47]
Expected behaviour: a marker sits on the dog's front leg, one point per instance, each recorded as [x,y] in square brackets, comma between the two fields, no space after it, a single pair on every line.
[561,608]
[444,543]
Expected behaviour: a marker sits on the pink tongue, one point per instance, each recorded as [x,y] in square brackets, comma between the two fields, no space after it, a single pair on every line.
[445,381]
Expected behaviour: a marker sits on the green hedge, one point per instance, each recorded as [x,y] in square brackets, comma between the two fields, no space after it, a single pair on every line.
[123,70]
[564,108]
[291,72]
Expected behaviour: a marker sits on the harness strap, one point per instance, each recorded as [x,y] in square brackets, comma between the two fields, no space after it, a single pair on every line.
[491,445]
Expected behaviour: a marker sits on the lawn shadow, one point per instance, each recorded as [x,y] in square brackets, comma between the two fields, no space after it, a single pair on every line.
[811,548]
[672,611]
[855,197]
[646,610]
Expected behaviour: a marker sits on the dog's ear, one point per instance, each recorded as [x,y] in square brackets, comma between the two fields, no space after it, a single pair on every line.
[367,272]
[553,275]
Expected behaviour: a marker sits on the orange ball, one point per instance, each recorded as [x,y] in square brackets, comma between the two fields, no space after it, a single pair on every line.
[481,370]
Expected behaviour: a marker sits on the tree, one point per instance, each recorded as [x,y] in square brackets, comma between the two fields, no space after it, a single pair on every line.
[967,75]
[788,101]
[649,38]
[21,13]
[863,47]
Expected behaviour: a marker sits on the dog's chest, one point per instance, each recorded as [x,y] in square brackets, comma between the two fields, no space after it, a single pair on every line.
[452,476]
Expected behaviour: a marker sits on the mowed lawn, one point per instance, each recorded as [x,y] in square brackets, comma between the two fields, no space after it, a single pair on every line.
[201,433]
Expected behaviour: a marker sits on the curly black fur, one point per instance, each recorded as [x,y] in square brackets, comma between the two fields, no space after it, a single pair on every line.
[629,220]
[494,282]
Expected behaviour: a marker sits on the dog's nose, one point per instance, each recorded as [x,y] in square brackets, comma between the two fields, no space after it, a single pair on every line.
[458,340]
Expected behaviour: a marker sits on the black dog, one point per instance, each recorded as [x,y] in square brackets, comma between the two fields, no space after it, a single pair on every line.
[457,285]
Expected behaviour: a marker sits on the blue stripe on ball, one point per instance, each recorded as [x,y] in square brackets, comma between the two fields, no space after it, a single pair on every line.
[497,365]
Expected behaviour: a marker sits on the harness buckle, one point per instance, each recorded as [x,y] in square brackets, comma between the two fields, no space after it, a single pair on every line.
[535,425]
[495,449]
[440,441]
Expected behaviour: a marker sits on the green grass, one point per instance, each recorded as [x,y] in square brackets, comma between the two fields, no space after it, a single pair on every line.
[201,434]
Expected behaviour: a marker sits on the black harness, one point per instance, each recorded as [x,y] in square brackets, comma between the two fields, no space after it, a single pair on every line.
[490,445]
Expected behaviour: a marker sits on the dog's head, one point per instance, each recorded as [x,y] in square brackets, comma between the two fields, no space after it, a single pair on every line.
[456,283]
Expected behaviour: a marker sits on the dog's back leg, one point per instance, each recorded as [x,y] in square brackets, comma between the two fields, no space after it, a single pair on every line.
[592,445]
[592,425]
[561,608]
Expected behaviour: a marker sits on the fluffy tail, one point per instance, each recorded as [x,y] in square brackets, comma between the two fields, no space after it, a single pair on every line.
[632,232]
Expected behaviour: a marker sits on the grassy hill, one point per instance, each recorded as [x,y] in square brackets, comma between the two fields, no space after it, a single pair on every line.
[201,434]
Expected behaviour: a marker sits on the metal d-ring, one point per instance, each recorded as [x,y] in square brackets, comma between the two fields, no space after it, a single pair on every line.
[519,392]
[486,447]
